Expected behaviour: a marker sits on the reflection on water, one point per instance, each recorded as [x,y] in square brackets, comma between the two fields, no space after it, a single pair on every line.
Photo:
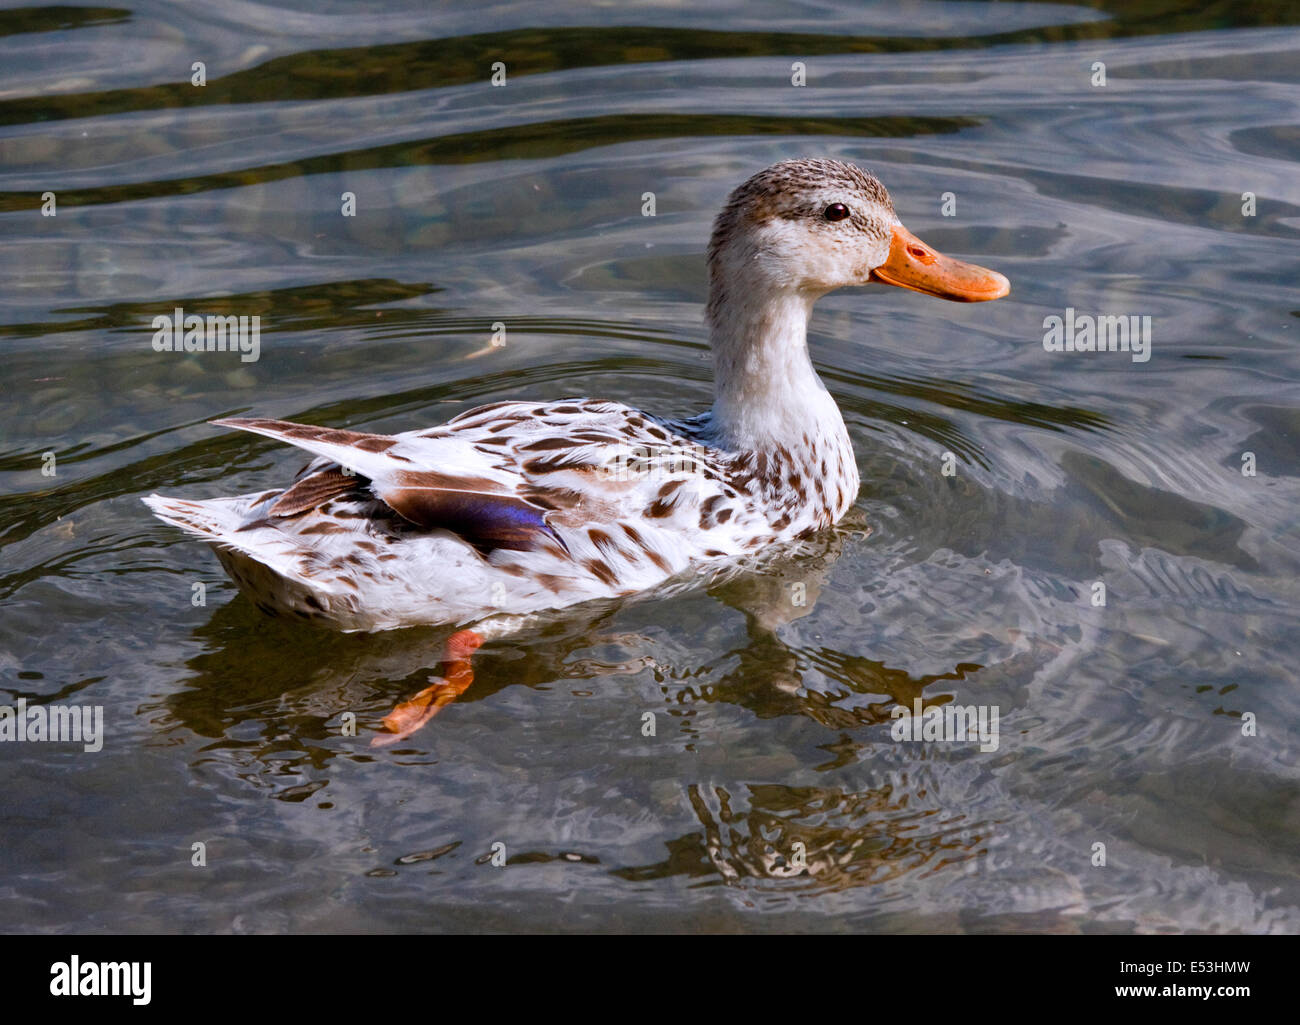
[718,756]
[516,142]
[851,839]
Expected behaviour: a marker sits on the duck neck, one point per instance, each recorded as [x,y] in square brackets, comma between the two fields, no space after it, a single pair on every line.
[766,392]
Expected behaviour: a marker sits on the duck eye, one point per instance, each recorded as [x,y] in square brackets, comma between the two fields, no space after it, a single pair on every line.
[836,212]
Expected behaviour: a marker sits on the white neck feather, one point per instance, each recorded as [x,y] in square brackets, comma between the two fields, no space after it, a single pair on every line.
[766,392]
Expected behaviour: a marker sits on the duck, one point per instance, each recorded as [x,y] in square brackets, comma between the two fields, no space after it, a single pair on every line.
[516,508]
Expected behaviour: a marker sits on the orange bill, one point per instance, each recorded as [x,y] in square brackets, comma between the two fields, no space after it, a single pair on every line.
[912,264]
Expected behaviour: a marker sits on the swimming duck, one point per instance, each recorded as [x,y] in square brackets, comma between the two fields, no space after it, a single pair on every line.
[517,507]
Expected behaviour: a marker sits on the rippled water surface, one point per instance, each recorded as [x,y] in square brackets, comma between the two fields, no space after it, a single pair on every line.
[1124,725]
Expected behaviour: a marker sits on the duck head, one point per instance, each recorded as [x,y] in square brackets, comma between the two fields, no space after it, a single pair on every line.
[789,235]
[806,227]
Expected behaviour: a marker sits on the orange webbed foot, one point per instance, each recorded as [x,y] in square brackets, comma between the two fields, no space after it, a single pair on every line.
[410,716]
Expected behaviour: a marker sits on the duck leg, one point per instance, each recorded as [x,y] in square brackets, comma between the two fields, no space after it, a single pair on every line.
[410,716]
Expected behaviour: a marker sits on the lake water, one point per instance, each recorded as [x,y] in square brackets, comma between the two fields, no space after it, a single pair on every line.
[1161,725]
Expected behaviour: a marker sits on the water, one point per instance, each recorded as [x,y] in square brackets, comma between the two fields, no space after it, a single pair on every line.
[1121,724]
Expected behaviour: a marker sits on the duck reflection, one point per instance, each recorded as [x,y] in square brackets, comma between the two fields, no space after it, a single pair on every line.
[295,685]
[822,837]
[277,694]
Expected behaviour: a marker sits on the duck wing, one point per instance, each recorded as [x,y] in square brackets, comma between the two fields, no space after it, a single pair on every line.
[483,507]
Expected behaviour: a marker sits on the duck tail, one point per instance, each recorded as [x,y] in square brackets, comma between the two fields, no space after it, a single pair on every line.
[220,522]
[264,562]
[213,520]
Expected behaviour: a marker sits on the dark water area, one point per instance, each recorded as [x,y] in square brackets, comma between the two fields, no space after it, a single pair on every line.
[1160,724]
